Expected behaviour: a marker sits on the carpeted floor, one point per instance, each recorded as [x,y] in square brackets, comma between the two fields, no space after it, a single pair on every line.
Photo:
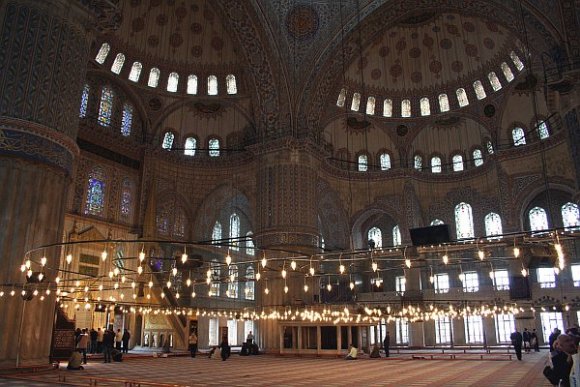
[301,371]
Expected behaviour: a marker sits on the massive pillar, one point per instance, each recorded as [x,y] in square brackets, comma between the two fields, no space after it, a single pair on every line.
[43,54]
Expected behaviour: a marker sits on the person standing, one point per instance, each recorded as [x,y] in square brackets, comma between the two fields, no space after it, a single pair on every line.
[193,344]
[82,344]
[526,338]
[100,335]
[250,339]
[94,336]
[125,338]
[387,344]
[553,336]
[534,341]
[517,339]
[225,348]
[108,340]
[118,340]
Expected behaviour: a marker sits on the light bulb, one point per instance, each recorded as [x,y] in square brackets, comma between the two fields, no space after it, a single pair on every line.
[177,295]
[491,275]
[104,255]
[101,287]
[116,271]
[43,261]
[481,254]
[193,294]
[40,277]
[516,252]
[116,286]
[12,292]
[69,258]
[556,270]
[305,288]
[228,259]
[293,265]
[57,280]
[258,276]
[141,256]
[375,266]
[86,289]
[123,279]
[432,279]
[408,263]
[341,269]
[23,268]
[188,282]
[183,258]
[285,289]
[133,284]
[267,291]
[264,261]
[445,259]
[351,285]
[208,273]
[162,295]
[140,270]
[283,273]
[328,287]
[174,271]
[150,284]
[168,284]
[208,281]
[29,273]
[28,263]
[111,274]
[311,270]
[524,272]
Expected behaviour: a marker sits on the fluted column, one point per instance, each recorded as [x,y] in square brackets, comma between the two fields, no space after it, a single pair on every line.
[43,55]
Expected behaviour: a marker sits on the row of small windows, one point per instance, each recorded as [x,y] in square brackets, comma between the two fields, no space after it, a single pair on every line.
[95,202]
[106,109]
[213,145]
[172,79]
[537,216]
[519,134]
[443,99]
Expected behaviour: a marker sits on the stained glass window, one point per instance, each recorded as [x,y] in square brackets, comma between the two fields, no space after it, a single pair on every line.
[212,85]
[216,234]
[127,120]
[190,145]
[462,97]
[355,104]
[457,163]
[84,101]
[385,160]
[362,163]
[477,157]
[118,63]
[464,221]
[179,222]
[376,235]
[570,215]
[443,103]
[95,202]
[192,84]
[162,220]
[216,280]
[370,105]
[425,106]
[516,59]
[435,164]
[388,108]
[543,131]
[249,291]
[396,236]
[172,82]
[126,198]
[493,224]
[168,140]
[135,71]
[231,86]
[103,53]
[406,108]
[538,219]
[250,250]
[214,147]
[518,136]
[418,162]
[106,106]
[235,231]
[436,222]
[233,281]
[341,98]
[479,90]
[153,77]
[494,81]
[507,72]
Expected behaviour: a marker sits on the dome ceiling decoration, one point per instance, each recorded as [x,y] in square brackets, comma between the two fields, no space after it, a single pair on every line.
[430,53]
[179,33]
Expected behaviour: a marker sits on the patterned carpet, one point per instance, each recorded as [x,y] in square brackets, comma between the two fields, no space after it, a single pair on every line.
[298,371]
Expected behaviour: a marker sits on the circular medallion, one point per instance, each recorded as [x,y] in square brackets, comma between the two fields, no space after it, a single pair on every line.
[489,110]
[302,22]
[384,51]
[376,74]
[416,77]
[457,66]
[428,41]
[446,44]
[415,52]
[196,28]
[155,104]
[492,26]
[217,43]
[196,51]
[468,26]
[161,19]
[435,66]
[452,29]
[402,130]
[175,40]
[401,45]
[489,43]
[396,70]
[153,40]
[471,50]
[135,3]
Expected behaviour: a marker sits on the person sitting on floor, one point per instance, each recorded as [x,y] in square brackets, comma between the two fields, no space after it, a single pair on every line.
[375,353]
[352,353]
[75,361]
[117,355]
[215,353]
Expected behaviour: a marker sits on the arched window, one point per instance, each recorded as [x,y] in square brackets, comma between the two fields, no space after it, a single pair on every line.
[249,291]
[370,105]
[436,222]
[231,87]
[341,98]
[538,219]
[179,223]
[518,136]
[418,162]
[214,147]
[489,147]
[135,71]
[95,202]
[493,224]
[406,108]
[106,106]
[388,108]
[507,72]
[103,53]
[162,220]
[190,145]
[127,120]
[216,280]
[443,103]
[172,82]
[517,62]
[376,235]
[435,164]
[543,131]
[84,101]
[153,77]
[397,236]
[212,85]
[233,281]
[477,157]
[355,104]
[462,97]
[235,231]
[168,141]
[385,161]
[192,84]
[363,163]
[464,221]
[126,198]
[479,90]
[570,215]
[250,249]
[494,81]
[216,234]
[425,106]
[457,163]
[118,63]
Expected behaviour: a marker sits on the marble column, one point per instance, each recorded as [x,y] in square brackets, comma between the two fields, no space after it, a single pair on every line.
[43,55]
[414,296]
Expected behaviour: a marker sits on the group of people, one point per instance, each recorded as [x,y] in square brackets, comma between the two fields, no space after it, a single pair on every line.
[527,340]
[112,345]
[376,351]
[223,350]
